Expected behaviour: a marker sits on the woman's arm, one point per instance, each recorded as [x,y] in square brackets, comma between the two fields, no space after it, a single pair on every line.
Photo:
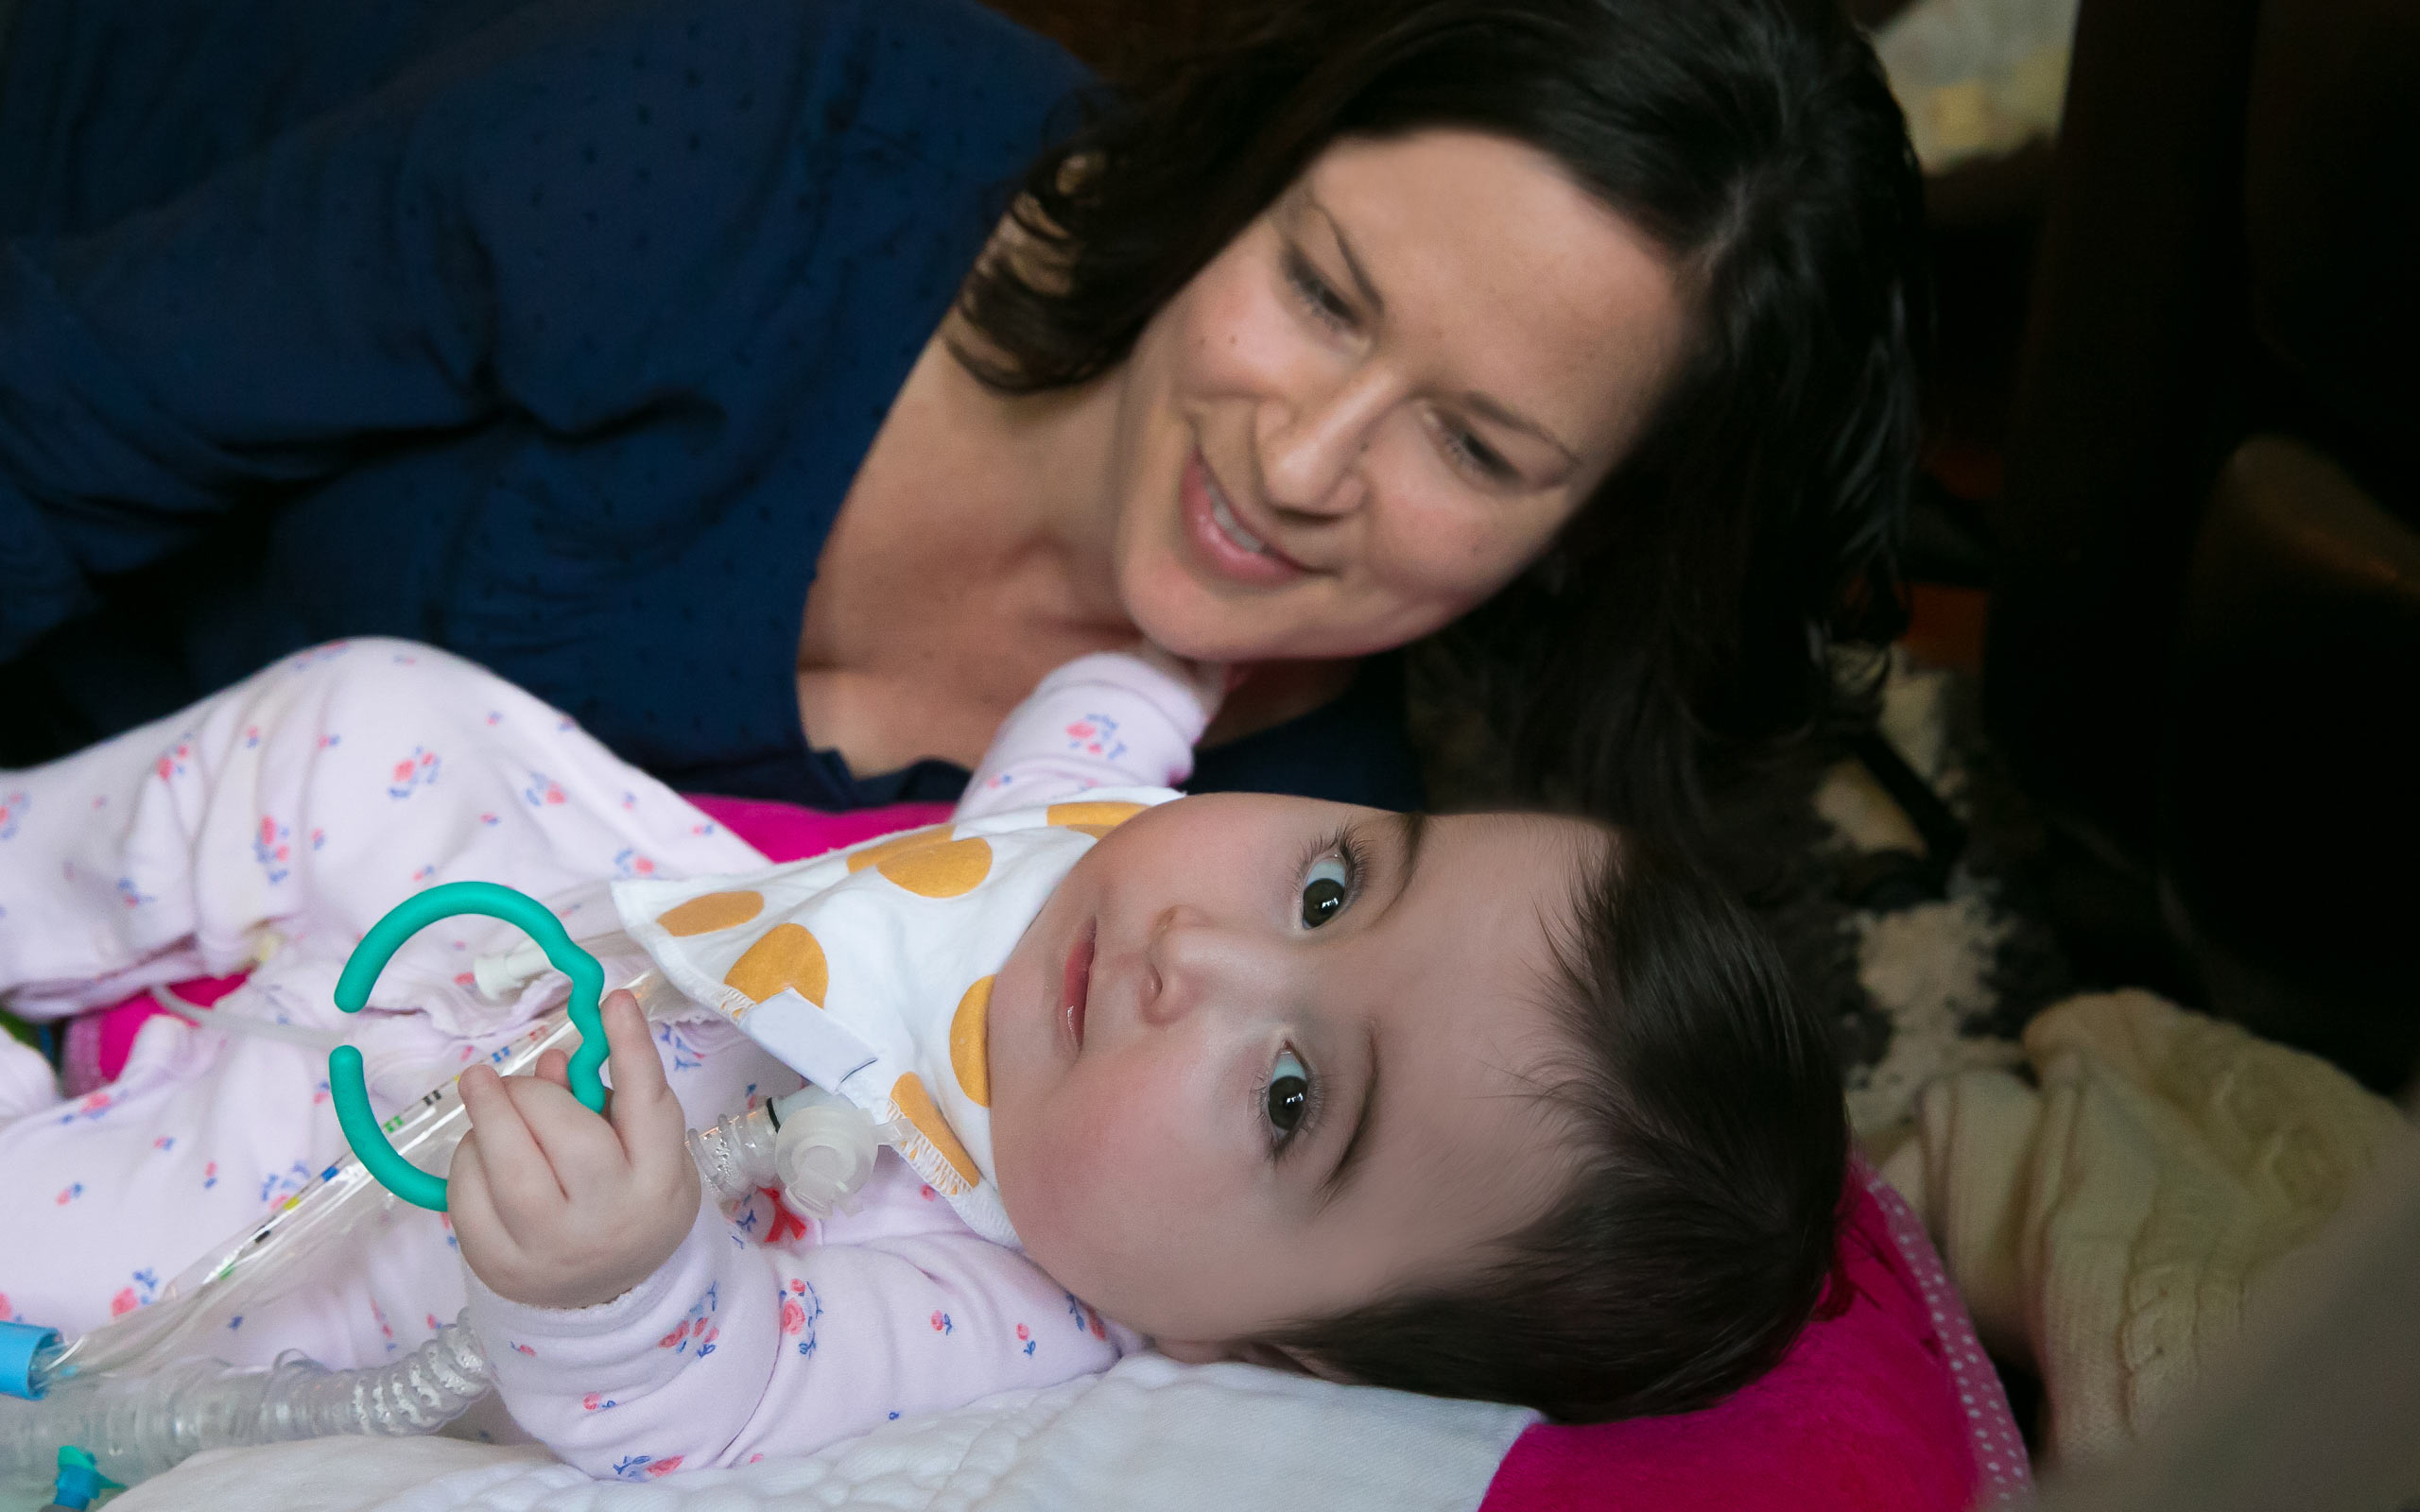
[537,220]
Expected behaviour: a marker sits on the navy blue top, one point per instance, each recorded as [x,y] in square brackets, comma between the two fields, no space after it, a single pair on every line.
[549,330]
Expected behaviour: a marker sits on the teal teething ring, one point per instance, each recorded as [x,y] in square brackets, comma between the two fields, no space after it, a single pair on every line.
[350,1092]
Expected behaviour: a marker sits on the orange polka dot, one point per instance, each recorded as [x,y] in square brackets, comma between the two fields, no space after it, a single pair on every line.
[916,1106]
[1091,819]
[970,1054]
[714,911]
[940,870]
[875,854]
[787,957]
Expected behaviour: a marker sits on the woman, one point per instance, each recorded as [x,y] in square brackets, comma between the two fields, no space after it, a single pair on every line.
[629,347]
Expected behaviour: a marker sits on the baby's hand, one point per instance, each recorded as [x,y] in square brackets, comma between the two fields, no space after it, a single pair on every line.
[556,1207]
[1208,681]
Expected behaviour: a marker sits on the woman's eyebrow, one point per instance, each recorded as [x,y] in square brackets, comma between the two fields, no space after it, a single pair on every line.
[1368,290]
[1472,399]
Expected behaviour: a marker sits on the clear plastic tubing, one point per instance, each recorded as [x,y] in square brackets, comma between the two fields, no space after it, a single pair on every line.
[104,1396]
[138,1426]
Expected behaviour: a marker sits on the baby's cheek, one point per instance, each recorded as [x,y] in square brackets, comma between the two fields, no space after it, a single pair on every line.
[1098,1183]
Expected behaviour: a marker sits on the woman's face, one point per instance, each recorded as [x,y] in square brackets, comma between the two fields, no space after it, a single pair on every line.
[1382,400]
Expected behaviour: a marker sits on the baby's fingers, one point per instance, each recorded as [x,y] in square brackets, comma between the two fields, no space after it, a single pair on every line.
[644,1112]
[472,1211]
[554,1066]
[519,1178]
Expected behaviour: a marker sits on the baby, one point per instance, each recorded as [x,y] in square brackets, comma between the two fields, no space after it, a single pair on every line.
[1498,1106]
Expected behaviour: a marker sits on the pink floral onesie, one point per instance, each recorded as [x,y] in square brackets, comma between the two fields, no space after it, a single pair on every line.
[268,825]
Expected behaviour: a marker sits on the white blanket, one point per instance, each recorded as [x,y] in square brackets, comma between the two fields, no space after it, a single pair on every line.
[1149,1435]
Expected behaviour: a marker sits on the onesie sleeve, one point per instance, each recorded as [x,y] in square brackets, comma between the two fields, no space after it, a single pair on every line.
[1106,720]
[735,1349]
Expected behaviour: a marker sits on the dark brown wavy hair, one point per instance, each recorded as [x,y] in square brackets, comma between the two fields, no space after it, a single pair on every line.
[1687,608]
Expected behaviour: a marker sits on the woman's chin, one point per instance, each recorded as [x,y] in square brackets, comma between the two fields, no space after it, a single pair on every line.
[1174,614]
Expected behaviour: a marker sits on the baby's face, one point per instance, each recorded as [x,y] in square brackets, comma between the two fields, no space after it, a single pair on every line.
[1261,1059]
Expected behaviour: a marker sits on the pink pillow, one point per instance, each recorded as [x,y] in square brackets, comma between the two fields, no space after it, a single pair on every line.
[1886,1404]
[785,832]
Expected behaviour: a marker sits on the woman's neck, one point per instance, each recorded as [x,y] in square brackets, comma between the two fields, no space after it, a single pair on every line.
[1044,467]
[974,553]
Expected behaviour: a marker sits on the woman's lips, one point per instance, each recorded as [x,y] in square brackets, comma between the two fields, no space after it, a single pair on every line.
[1076,984]
[1221,539]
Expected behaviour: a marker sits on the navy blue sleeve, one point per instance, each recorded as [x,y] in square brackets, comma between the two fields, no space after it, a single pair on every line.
[511,224]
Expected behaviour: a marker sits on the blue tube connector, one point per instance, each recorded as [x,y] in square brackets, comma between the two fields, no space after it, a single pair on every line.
[21,1345]
[79,1481]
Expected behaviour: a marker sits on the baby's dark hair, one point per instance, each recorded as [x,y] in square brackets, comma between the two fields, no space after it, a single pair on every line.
[1696,1237]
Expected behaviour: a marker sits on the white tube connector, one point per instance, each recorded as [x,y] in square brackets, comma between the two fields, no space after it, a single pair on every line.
[819,1149]
[824,1153]
[500,978]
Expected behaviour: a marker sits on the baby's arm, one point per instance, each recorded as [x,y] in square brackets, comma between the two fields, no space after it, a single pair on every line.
[1113,719]
[634,1331]
[735,1351]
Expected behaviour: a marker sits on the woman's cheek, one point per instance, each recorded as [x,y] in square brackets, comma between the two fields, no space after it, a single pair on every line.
[1448,556]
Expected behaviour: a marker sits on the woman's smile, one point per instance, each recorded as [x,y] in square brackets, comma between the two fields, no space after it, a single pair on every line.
[1220,540]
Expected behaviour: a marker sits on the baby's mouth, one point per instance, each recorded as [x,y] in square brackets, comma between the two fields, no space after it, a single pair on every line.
[1076,982]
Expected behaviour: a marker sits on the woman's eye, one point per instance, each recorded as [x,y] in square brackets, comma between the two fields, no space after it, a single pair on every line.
[1477,455]
[1289,1091]
[1324,890]
[1324,302]
[1470,453]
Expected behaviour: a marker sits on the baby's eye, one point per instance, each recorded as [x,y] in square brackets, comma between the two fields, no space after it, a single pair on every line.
[1289,1091]
[1324,890]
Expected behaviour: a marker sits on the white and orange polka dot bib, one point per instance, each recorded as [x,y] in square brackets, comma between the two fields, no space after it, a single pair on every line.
[868,970]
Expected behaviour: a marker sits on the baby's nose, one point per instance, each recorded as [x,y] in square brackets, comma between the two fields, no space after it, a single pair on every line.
[1194,962]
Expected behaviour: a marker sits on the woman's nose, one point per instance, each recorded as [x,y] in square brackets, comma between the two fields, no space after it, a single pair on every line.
[1311,444]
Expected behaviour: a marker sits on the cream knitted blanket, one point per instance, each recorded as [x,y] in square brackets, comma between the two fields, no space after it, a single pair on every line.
[2114,1223]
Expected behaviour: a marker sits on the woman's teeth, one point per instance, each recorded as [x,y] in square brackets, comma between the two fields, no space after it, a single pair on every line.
[1229,525]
